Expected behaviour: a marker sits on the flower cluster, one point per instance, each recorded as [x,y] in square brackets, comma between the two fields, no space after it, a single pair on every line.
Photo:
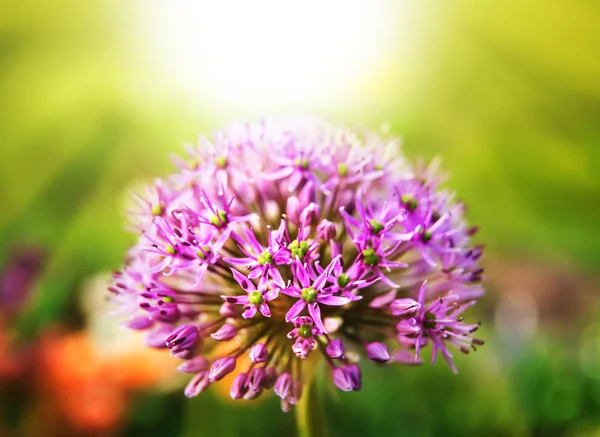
[282,239]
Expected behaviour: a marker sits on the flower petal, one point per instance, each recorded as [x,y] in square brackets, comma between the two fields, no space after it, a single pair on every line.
[271,294]
[264,309]
[295,310]
[250,312]
[244,282]
[240,300]
[315,313]
[332,300]
[292,292]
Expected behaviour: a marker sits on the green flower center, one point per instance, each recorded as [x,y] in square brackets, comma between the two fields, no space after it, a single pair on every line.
[426,237]
[410,202]
[342,169]
[371,258]
[221,161]
[218,219]
[376,226]
[256,298]
[299,249]
[170,250]
[265,257]
[309,294]
[305,331]
[343,279]
[204,252]
[158,210]
[168,299]
[429,322]
[301,163]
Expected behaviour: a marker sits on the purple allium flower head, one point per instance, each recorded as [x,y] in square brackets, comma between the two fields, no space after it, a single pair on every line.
[287,238]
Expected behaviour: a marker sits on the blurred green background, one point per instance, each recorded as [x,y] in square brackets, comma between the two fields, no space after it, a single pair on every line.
[96,95]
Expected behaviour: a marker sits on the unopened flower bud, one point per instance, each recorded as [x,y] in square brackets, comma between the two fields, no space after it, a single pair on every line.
[283,385]
[343,379]
[309,214]
[270,378]
[256,378]
[225,333]
[405,307]
[139,323]
[194,365]
[354,372]
[335,348]
[292,209]
[409,328]
[239,387]
[326,230]
[259,353]
[229,309]
[197,385]
[221,368]
[182,338]
[377,351]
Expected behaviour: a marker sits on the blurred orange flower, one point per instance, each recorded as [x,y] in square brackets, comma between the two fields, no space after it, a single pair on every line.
[90,391]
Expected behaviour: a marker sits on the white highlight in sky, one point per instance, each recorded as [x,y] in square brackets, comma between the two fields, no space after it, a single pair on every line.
[264,53]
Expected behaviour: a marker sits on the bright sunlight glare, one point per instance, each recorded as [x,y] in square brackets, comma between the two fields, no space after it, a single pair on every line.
[266,53]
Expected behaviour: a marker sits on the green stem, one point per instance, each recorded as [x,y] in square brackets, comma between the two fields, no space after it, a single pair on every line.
[309,414]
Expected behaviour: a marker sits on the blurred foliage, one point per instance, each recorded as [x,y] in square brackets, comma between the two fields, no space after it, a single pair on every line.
[508,94]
